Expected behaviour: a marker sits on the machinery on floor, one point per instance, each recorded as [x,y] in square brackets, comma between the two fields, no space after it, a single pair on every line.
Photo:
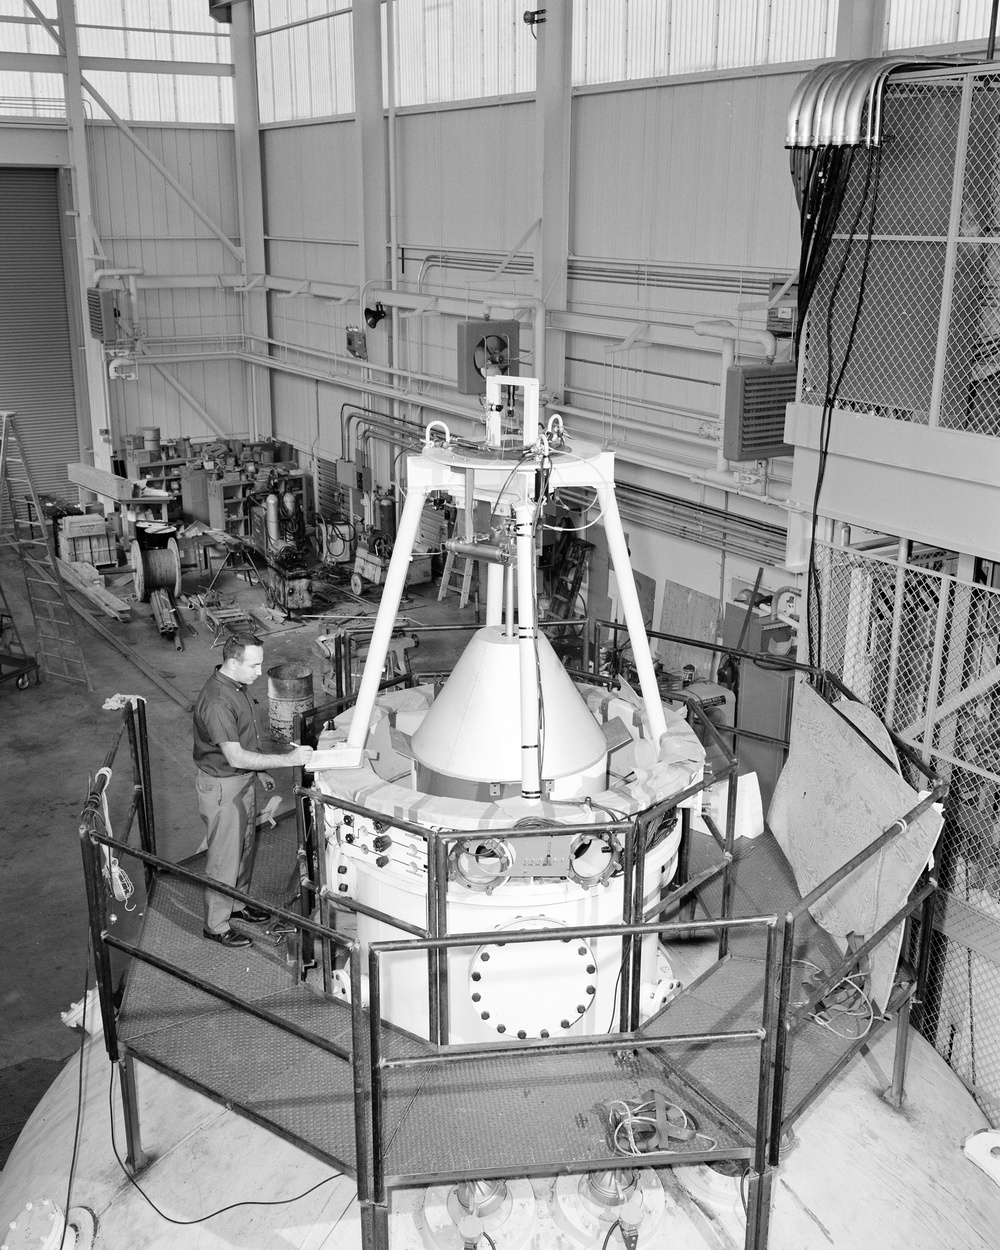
[509,741]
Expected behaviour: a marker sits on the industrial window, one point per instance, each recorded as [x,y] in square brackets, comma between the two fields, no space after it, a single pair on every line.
[623,40]
[305,61]
[924,23]
[164,31]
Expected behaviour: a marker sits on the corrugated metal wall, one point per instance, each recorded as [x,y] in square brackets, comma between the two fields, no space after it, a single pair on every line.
[144,224]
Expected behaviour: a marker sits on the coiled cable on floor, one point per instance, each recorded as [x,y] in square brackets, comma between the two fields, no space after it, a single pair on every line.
[155,568]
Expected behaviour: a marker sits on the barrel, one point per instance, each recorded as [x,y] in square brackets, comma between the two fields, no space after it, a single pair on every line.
[289,690]
[151,438]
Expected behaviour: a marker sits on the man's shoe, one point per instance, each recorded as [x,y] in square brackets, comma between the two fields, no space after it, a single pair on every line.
[251,915]
[229,938]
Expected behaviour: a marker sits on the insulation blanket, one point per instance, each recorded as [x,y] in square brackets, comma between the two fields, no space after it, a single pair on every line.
[834,797]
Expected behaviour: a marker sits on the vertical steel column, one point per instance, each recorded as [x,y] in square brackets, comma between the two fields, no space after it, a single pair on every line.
[90,349]
[250,197]
[951,251]
[135,1157]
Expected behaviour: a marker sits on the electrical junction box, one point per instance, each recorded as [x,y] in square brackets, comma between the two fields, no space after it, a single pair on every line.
[783,317]
[486,347]
[357,344]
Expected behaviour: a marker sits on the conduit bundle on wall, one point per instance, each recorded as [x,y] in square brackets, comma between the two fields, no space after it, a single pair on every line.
[835,109]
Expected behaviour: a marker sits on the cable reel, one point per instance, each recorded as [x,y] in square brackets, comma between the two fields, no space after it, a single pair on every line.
[481,864]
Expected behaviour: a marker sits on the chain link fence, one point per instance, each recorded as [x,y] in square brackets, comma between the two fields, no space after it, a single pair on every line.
[923,649]
[912,276]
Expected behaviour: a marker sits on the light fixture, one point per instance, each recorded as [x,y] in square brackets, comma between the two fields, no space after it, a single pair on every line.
[374,315]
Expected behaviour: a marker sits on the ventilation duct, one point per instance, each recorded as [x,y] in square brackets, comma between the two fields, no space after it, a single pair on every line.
[839,104]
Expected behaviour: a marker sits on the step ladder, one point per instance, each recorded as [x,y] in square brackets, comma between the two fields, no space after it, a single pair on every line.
[23,528]
[454,580]
[572,561]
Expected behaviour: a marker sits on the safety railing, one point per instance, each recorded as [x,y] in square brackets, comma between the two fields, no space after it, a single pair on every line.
[633,838]
[476,1102]
[100,852]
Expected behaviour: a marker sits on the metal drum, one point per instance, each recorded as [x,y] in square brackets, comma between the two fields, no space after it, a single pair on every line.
[289,690]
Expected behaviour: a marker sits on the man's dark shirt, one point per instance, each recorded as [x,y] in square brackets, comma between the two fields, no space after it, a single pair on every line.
[222,714]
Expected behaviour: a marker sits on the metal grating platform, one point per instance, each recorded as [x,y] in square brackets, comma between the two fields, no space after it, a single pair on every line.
[281,1081]
[528,1115]
[729,996]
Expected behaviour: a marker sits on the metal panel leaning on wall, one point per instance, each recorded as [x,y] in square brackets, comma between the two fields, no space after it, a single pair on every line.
[36,377]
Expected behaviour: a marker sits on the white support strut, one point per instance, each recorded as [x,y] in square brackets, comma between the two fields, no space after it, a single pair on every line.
[531,763]
[633,612]
[392,592]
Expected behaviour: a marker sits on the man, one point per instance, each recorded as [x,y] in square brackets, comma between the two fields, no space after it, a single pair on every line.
[229,760]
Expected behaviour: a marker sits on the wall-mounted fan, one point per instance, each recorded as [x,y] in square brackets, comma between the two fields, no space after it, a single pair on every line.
[485,347]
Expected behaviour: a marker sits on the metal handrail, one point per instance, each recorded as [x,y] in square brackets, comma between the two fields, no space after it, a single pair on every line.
[444,1055]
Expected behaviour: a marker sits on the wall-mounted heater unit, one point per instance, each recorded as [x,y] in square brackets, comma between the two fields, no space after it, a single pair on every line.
[754,418]
[103,314]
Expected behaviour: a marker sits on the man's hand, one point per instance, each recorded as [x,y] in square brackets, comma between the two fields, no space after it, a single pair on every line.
[301,756]
[267,781]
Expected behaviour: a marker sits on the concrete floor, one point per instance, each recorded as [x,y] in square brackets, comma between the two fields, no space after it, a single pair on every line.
[53,738]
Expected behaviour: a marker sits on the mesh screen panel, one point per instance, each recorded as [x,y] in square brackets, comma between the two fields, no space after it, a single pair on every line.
[924,650]
[912,276]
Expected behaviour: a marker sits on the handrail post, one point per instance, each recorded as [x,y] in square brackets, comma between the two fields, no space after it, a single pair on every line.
[641,829]
[726,903]
[315,858]
[135,1157]
[781,1032]
[97,914]
[147,777]
[362,1080]
[628,917]
[139,791]
[444,1004]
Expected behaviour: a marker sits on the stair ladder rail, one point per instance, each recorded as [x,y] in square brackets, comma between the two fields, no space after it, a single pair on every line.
[464,588]
[574,561]
[59,652]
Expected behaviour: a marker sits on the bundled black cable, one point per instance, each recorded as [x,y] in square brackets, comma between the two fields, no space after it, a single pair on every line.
[867,200]
[820,178]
